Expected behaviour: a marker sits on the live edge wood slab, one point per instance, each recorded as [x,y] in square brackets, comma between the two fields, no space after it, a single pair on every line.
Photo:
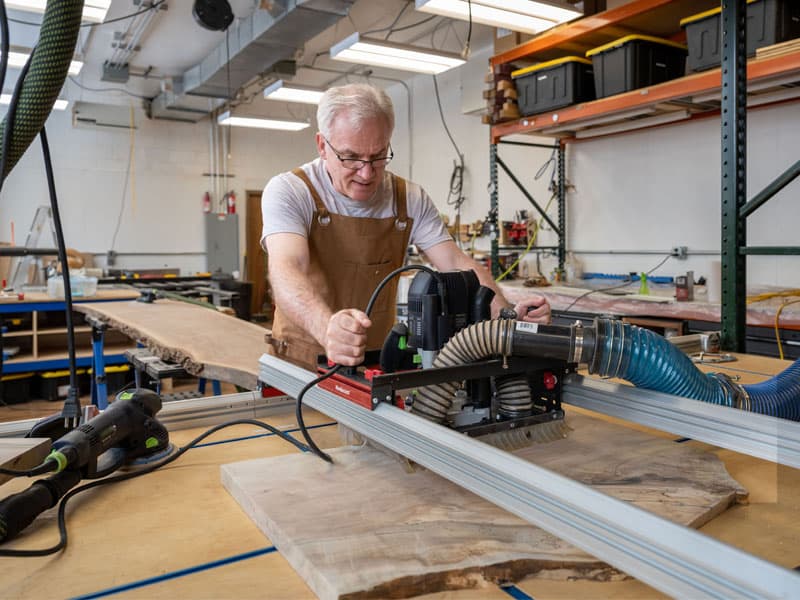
[367,528]
[205,342]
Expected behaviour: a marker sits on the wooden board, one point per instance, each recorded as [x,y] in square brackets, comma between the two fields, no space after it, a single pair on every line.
[366,528]
[22,453]
[205,342]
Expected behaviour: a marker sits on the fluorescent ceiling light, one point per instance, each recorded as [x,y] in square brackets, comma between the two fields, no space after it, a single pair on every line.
[516,15]
[17,60]
[59,103]
[93,10]
[394,56]
[280,91]
[226,119]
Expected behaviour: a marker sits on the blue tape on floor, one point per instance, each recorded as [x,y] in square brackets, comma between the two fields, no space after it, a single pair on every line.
[175,574]
[260,435]
[515,592]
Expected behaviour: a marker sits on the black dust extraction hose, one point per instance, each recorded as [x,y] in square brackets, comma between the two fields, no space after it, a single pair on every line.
[45,78]
[611,348]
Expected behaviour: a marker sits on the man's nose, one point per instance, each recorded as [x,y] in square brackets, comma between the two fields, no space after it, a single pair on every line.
[367,167]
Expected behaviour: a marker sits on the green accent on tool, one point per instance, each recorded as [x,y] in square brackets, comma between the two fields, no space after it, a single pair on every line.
[59,458]
[151,442]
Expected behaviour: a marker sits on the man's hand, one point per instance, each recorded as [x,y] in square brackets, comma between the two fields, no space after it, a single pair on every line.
[346,337]
[533,309]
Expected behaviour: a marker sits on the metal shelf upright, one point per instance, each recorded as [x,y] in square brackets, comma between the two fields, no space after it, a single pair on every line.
[494,162]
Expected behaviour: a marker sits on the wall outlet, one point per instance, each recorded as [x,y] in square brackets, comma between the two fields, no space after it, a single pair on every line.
[679,252]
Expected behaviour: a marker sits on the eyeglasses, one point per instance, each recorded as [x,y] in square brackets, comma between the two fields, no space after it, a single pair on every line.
[355,164]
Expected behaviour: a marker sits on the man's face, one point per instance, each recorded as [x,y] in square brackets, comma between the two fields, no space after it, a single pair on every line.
[369,141]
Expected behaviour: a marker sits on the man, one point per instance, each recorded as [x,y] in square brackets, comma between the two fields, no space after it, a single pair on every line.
[335,227]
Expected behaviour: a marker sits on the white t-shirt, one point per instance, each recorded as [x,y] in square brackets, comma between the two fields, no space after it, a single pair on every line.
[287,206]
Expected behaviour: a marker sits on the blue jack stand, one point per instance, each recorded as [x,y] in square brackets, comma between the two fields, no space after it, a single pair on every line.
[99,388]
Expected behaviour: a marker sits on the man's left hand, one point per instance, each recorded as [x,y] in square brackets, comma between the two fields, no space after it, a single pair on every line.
[533,309]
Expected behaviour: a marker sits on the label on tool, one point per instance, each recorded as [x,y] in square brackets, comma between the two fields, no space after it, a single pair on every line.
[526,327]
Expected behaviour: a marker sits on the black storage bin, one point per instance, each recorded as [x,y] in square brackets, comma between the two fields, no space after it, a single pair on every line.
[16,388]
[768,22]
[54,385]
[635,61]
[554,84]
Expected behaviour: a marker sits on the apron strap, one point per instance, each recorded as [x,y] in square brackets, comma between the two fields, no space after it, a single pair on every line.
[399,186]
[322,212]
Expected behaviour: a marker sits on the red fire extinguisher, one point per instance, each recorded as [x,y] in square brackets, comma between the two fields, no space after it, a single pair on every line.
[231,203]
[206,202]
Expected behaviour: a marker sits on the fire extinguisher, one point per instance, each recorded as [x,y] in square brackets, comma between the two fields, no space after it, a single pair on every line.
[206,202]
[231,203]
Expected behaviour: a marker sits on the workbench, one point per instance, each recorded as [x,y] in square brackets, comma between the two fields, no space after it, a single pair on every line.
[665,314]
[43,346]
[177,533]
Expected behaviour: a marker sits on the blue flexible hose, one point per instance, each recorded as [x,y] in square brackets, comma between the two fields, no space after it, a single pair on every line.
[648,360]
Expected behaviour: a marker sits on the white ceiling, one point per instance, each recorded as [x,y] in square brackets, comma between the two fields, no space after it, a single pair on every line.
[174,42]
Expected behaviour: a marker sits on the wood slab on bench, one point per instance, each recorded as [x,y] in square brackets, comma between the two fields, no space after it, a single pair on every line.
[21,454]
[367,528]
[205,342]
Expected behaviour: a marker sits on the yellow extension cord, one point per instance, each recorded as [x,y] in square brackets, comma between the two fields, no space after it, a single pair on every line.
[777,324]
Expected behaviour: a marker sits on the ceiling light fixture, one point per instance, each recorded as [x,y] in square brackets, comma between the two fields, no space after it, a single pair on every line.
[17,60]
[394,56]
[94,11]
[226,119]
[59,104]
[292,93]
[517,15]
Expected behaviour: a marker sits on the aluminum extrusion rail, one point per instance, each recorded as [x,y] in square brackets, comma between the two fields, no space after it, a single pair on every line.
[194,412]
[762,436]
[674,559]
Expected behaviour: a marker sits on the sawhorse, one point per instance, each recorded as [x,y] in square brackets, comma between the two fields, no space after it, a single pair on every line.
[145,363]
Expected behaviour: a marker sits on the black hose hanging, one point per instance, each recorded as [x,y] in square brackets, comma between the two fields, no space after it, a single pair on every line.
[45,78]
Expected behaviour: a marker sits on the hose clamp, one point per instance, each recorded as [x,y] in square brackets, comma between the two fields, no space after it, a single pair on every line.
[735,395]
[577,352]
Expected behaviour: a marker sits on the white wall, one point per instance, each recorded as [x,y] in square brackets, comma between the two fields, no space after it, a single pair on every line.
[166,221]
[642,191]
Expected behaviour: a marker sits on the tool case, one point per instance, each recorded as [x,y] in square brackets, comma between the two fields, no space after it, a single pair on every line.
[635,61]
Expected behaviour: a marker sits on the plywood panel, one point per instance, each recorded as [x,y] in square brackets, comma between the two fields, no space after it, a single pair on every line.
[367,528]
[21,454]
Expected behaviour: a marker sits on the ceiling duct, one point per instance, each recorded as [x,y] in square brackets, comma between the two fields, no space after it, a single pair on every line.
[257,42]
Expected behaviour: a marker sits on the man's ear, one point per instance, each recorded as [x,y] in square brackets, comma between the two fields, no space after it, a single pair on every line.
[321,145]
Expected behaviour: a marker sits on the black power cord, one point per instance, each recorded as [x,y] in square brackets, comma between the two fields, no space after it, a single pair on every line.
[336,367]
[72,405]
[41,469]
[62,508]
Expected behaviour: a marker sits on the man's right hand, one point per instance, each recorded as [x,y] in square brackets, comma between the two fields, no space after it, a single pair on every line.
[346,337]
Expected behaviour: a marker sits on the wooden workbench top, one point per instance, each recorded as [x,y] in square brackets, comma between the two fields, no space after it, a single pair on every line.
[178,534]
[658,304]
[103,294]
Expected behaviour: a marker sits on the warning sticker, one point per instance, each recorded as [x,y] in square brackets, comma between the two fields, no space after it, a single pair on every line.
[526,327]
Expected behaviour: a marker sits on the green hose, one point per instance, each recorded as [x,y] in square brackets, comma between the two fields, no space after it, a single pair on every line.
[48,71]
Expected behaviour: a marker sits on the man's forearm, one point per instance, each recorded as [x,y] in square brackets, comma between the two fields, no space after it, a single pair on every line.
[299,300]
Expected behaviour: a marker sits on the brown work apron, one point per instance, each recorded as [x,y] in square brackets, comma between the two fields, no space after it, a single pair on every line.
[349,256]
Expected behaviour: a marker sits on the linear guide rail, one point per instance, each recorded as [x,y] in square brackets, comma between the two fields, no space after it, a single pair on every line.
[762,436]
[678,561]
